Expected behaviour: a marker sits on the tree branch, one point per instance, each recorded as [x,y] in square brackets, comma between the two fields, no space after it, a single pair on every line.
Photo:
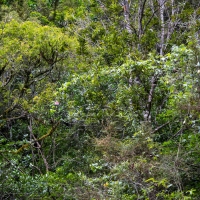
[159,127]
[27,145]
[147,112]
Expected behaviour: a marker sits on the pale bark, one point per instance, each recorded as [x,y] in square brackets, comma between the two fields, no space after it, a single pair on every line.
[162,34]
[127,16]
[173,20]
[38,145]
[147,111]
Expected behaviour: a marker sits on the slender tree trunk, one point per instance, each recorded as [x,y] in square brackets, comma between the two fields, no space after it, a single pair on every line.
[127,16]
[140,17]
[32,136]
[172,22]
[162,34]
[147,111]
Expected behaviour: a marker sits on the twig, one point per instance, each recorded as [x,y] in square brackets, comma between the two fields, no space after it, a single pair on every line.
[159,127]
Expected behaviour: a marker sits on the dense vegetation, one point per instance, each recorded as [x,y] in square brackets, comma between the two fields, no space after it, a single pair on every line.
[99,99]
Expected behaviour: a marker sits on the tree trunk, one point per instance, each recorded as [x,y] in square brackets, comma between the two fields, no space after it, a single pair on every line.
[140,17]
[147,111]
[162,22]
[127,16]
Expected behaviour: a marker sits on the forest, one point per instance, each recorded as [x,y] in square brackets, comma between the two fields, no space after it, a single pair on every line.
[100,100]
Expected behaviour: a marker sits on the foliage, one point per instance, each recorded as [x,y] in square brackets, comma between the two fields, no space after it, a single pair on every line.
[99,100]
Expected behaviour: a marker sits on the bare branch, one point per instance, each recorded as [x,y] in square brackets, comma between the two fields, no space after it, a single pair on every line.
[147,112]
[27,145]
[159,127]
